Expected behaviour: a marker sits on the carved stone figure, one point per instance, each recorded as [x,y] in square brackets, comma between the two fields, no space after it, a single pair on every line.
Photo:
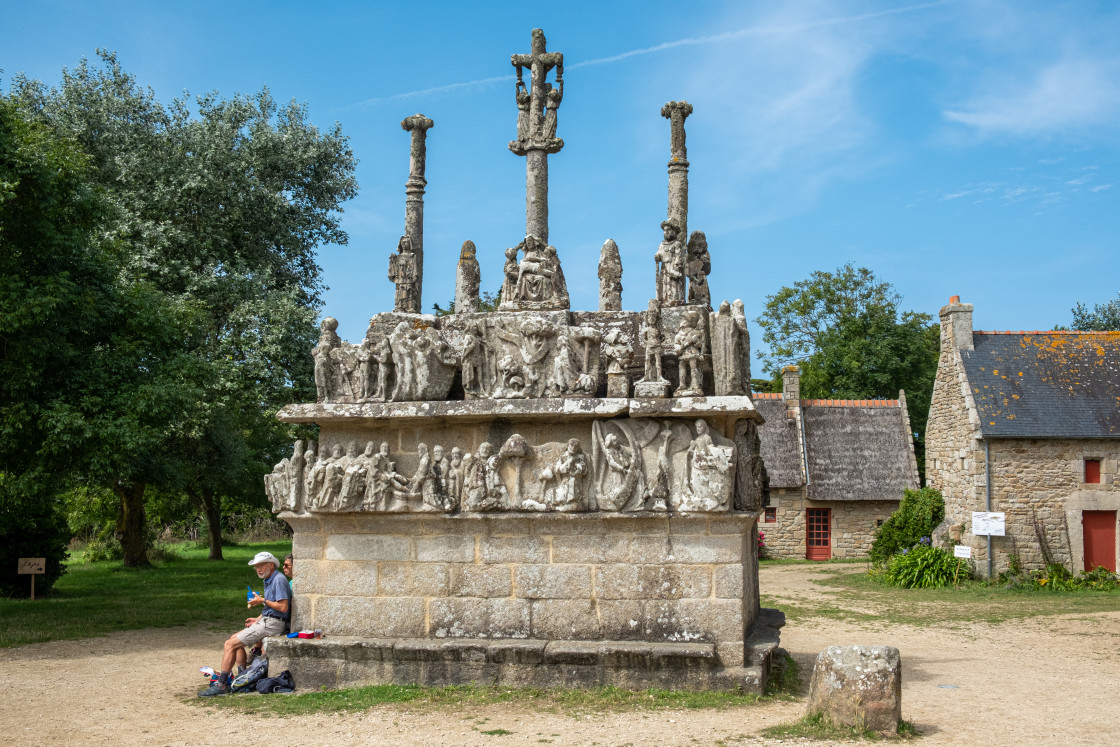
[294,498]
[527,377]
[509,274]
[610,277]
[422,485]
[333,476]
[619,479]
[324,365]
[382,354]
[441,470]
[553,97]
[699,267]
[660,492]
[385,488]
[670,263]
[354,480]
[472,361]
[729,345]
[708,478]
[516,449]
[422,364]
[485,491]
[618,351]
[534,278]
[564,482]
[468,276]
[522,97]
[316,479]
[404,271]
[653,384]
[739,314]
[689,345]
[455,479]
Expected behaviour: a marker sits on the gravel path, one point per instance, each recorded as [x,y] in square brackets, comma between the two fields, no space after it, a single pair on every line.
[1051,679]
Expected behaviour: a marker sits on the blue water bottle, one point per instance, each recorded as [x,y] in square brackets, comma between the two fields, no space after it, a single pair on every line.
[249,594]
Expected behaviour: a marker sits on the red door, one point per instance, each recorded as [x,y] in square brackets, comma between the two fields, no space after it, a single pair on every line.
[818,533]
[1100,539]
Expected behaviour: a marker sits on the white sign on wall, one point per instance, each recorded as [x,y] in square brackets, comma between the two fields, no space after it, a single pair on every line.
[962,551]
[988,522]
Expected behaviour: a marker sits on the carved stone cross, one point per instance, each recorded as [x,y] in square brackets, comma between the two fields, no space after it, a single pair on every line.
[536,131]
[418,125]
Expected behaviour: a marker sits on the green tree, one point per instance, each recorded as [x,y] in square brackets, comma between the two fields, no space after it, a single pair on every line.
[215,216]
[846,332]
[1104,317]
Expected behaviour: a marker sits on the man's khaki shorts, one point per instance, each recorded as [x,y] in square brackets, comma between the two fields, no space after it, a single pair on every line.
[262,628]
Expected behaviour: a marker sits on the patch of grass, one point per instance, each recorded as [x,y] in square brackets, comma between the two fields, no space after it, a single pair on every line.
[968,602]
[785,679]
[105,597]
[557,700]
[496,733]
[818,728]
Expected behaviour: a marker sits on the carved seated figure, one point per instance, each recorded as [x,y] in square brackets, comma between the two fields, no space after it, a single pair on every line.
[534,276]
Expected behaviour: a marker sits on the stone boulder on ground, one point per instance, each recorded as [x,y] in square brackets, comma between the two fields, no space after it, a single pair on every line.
[858,686]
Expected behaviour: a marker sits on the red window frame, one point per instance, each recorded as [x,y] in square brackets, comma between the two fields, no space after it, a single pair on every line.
[770,515]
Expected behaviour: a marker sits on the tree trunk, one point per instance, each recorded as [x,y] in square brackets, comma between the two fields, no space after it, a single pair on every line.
[211,506]
[132,524]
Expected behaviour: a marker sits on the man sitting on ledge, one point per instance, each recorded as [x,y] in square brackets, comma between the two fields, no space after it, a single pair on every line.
[273,620]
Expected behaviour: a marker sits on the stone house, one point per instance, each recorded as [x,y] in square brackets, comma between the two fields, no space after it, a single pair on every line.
[836,468]
[1027,423]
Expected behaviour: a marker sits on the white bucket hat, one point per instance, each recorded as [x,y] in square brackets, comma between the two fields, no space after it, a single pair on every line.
[264,557]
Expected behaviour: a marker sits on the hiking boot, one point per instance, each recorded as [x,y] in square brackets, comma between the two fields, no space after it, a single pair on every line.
[216,688]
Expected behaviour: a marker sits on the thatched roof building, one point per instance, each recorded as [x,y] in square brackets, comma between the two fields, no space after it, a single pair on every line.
[836,468]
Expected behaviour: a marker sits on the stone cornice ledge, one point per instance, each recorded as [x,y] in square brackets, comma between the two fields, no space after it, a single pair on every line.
[519,409]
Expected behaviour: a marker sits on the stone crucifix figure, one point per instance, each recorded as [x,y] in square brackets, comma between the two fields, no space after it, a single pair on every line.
[536,128]
[418,125]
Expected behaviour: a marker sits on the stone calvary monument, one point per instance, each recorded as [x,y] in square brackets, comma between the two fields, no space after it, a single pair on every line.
[532,496]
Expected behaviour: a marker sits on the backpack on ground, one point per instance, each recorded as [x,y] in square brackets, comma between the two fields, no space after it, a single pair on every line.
[281,683]
[247,680]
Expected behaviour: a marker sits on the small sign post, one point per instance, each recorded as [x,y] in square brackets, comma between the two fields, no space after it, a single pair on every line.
[32,566]
[959,552]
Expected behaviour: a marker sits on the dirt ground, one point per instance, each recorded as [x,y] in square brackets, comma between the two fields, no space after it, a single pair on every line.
[1052,679]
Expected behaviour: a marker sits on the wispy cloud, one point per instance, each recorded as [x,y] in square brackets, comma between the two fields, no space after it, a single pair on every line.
[742,33]
[1070,94]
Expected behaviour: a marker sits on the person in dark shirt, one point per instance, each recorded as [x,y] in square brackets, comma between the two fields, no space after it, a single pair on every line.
[273,620]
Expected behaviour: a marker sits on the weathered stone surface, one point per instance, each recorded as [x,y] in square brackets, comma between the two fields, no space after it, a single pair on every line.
[367,547]
[553,581]
[565,619]
[474,617]
[412,579]
[610,277]
[858,686]
[481,581]
[468,276]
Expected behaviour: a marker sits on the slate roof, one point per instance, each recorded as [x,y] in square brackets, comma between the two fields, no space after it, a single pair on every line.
[858,450]
[780,448]
[1046,384]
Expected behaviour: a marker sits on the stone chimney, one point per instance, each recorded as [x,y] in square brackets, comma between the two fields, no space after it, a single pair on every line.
[791,386]
[956,324]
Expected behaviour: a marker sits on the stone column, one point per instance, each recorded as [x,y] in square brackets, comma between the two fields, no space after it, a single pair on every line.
[536,194]
[676,112]
[418,125]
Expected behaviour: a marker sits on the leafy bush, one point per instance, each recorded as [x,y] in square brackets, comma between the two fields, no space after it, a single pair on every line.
[1057,577]
[925,567]
[918,514]
[32,525]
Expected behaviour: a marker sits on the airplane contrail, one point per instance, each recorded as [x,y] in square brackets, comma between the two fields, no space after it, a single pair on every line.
[692,41]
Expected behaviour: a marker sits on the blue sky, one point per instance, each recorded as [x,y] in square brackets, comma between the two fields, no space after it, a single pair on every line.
[963,148]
